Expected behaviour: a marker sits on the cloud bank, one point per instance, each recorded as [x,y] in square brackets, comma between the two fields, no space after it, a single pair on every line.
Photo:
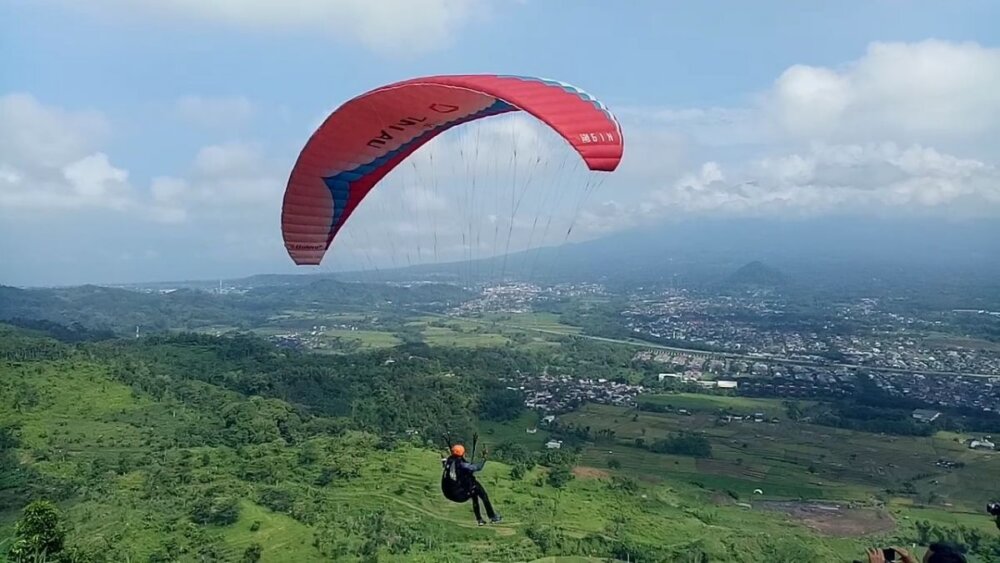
[393,28]
[907,128]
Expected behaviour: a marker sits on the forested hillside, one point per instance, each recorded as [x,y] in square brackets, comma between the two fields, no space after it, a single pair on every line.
[123,310]
[191,448]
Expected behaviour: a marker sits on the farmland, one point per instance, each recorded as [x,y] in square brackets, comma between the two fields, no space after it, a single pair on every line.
[787,459]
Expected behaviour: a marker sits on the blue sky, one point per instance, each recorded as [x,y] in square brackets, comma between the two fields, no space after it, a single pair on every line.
[129,129]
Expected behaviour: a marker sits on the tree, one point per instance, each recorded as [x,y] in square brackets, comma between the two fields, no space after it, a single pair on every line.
[500,404]
[793,410]
[252,553]
[624,484]
[559,476]
[39,534]
[614,464]
[923,531]
[683,444]
[218,510]
[517,471]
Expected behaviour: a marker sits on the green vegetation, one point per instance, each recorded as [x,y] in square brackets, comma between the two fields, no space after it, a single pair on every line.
[456,336]
[303,299]
[187,446]
[713,404]
[39,534]
[792,460]
[363,339]
[542,322]
[154,452]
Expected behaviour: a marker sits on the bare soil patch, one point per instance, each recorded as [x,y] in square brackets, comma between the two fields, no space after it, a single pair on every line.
[584,472]
[834,519]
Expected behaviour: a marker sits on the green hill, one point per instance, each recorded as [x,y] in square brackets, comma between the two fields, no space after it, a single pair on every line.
[149,466]
[183,308]
[193,448]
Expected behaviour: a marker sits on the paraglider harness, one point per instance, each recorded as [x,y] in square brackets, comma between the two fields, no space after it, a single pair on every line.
[456,484]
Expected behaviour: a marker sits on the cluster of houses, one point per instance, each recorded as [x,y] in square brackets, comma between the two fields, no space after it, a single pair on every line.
[982,393]
[563,393]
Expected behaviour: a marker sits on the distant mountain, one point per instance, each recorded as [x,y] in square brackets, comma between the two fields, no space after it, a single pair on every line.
[844,251]
[756,274]
[828,251]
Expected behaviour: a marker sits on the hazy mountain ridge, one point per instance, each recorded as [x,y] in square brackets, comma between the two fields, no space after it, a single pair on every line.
[756,274]
[706,250]
[832,256]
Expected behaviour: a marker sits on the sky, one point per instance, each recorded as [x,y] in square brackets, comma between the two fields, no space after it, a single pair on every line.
[145,141]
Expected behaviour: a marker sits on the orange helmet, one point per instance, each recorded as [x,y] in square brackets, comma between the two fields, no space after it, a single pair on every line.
[458,450]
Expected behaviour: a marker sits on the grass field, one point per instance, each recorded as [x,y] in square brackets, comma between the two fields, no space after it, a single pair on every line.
[789,459]
[282,536]
[446,336]
[530,324]
[714,403]
[365,338]
[515,431]
[533,321]
[532,331]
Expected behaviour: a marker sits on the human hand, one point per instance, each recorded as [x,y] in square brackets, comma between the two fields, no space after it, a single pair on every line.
[905,556]
[875,555]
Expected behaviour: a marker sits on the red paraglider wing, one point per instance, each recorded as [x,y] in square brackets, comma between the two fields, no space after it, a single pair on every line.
[364,139]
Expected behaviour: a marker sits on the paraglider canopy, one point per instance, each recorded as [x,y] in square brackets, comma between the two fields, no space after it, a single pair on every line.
[368,136]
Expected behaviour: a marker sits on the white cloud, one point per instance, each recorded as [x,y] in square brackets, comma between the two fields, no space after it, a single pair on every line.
[906,128]
[932,92]
[212,112]
[902,91]
[397,28]
[31,133]
[227,160]
[94,178]
[169,195]
[225,181]
[498,145]
[168,190]
[49,162]
[713,126]
[836,178]
[607,217]
[421,199]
